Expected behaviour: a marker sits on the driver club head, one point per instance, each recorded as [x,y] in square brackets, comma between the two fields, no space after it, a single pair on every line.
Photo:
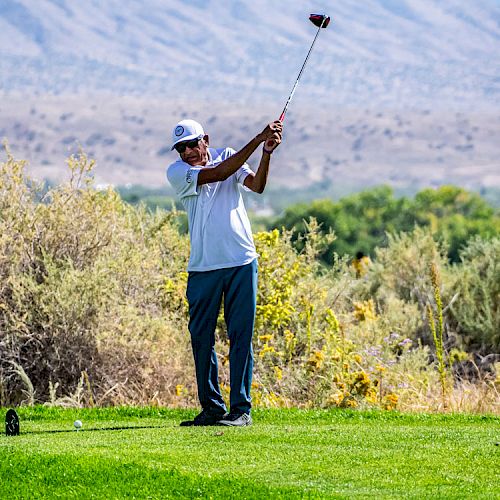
[319,20]
[11,423]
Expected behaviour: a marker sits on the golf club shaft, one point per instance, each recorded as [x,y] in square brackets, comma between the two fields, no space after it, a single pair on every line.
[282,116]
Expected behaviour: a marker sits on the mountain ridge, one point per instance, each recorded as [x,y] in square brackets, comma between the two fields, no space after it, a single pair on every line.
[405,92]
[403,52]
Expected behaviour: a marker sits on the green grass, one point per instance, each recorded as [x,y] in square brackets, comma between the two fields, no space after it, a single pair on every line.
[286,454]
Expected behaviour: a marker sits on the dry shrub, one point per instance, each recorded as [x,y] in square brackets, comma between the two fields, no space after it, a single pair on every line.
[477,281]
[87,283]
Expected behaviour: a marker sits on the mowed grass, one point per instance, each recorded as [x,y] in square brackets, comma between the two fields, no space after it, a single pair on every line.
[286,454]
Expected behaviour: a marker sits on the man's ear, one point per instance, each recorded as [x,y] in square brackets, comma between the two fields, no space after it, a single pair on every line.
[206,139]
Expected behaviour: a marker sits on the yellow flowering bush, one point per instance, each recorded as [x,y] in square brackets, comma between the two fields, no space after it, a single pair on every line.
[365,311]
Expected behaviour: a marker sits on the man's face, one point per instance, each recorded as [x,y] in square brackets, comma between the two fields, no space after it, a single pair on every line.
[195,152]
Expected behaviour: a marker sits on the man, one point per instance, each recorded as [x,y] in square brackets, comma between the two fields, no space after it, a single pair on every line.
[223,260]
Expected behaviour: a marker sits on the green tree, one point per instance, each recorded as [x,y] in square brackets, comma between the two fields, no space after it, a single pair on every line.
[362,221]
[455,216]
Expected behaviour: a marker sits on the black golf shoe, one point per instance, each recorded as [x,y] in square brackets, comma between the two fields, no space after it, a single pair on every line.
[206,417]
[236,419]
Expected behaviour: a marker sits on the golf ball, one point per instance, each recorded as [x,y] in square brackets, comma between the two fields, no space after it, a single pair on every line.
[78,424]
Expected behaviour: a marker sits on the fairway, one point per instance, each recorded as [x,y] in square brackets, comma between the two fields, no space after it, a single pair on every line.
[286,454]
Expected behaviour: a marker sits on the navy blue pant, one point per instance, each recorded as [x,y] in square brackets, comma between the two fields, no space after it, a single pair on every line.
[205,290]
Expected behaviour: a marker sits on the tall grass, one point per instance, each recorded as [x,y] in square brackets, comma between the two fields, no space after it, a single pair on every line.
[437,328]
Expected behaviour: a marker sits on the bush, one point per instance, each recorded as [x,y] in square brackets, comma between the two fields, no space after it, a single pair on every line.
[93,308]
[477,281]
[86,280]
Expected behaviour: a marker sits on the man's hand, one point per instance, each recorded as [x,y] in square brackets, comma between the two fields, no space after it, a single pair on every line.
[271,144]
[274,140]
[270,130]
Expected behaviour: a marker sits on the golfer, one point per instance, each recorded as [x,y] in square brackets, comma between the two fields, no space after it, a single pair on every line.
[222,262]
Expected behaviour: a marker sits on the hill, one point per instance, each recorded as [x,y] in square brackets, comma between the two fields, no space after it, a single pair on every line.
[402,92]
[389,53]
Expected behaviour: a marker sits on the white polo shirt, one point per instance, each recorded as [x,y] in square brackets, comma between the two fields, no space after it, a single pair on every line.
[219,228]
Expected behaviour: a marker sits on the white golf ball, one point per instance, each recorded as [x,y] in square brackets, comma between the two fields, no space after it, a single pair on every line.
[78,424]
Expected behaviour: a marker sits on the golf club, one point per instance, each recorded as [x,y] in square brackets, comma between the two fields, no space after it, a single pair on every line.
[321,21]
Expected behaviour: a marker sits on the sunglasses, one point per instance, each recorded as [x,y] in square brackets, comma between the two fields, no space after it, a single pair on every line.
[181,146]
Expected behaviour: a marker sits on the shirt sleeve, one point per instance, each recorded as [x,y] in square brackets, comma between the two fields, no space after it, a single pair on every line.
[183,178]
[242,173]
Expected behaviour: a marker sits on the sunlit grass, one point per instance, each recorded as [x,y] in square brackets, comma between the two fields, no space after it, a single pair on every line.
[287,453]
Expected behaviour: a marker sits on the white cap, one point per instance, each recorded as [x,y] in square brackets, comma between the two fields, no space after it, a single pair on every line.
[186,130]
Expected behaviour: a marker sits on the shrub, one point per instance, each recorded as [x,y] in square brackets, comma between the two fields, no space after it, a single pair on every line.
[93,308]
[477,281]
[86,281]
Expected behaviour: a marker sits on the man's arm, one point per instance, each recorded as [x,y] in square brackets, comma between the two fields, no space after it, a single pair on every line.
[257,182]
[228,167]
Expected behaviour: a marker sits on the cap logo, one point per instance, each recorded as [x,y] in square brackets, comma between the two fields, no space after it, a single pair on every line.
[179,130]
